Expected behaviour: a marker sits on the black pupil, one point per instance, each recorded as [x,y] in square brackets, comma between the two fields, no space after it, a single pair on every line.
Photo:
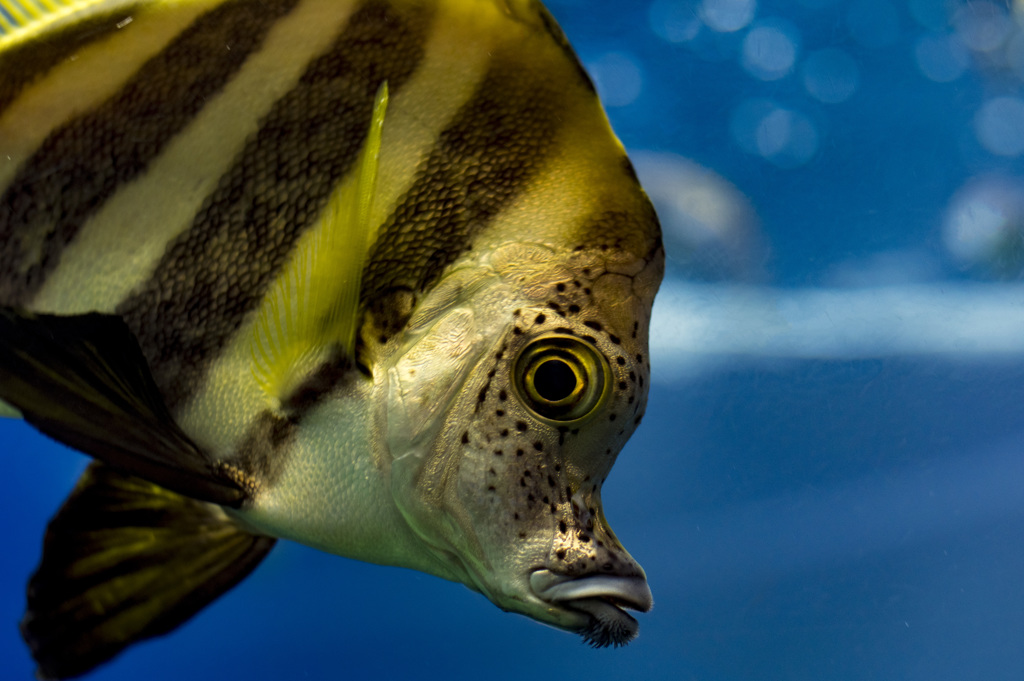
[554,380]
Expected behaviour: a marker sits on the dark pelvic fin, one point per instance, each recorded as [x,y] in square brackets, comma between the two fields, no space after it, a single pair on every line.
[125,560]
[83,381]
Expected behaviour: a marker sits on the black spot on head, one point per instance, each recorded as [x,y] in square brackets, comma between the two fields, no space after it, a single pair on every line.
[614,339]
[491,489]
[504,432]
[562,527]
[465,437]
[502,395]
[538,445]
[622,385]
[499,412]
[498,452]
[611,417]
[560,287]
[589,339]
[551,481]
[560,553]
[640,359]
[482,396]
[519,452]
[583,538]
[596,326]
[621,361]
[638,419]
[574,308]
[517,331]
[521,426]
[540,319]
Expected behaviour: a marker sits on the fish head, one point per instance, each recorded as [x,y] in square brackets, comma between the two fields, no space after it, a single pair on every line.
[505,419]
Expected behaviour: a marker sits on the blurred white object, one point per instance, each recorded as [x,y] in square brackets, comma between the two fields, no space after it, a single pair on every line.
[711,230]
[984,225]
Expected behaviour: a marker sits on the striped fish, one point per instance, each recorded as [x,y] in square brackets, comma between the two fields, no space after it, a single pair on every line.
[370,275]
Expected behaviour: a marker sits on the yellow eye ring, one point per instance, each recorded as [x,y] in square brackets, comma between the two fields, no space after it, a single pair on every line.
[561,378]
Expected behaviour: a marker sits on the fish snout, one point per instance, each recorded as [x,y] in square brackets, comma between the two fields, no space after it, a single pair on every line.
[600,600]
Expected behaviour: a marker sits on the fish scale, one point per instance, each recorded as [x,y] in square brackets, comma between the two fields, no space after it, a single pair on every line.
[374,276]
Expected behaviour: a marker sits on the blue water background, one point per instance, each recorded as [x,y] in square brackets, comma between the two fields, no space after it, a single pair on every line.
[816,515]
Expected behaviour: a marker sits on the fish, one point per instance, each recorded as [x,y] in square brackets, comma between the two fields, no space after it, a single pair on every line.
[374,276]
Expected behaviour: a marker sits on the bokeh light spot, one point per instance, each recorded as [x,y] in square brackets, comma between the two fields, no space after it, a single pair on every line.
[618,77]
[770,50]
[999,126]
[830,76]
[674,20]
[941,58]
[784,137]
[727,16]
[982,25]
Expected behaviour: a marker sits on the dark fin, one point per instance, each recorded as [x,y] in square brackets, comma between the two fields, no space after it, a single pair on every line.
[83,381]
[125,560]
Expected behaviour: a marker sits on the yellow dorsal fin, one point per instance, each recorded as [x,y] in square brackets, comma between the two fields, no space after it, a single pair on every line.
[312,310]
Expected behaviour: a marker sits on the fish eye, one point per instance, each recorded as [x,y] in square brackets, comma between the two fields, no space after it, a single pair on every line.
[561,378]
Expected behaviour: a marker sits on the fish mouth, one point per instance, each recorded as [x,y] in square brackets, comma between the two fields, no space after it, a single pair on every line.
[597,604]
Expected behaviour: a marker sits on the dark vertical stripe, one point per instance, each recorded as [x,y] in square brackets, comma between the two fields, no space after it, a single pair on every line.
[216,273]
[22,65]
[82,163]
[481,162]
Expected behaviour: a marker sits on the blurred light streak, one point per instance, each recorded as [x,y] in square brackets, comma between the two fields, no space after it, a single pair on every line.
[696,326]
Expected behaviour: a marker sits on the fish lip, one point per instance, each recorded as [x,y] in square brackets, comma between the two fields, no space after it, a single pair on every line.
[596,604]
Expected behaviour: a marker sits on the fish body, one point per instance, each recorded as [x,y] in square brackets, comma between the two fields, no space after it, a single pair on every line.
[372,276]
